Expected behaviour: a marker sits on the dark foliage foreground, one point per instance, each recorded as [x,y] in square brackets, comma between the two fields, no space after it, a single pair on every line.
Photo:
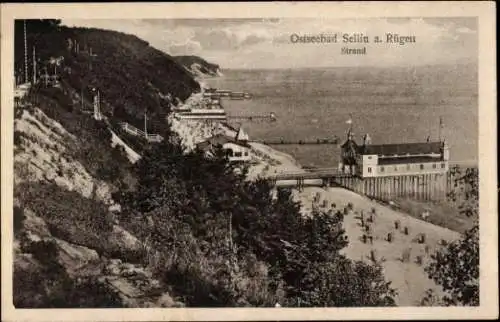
[456,267]
[224,241]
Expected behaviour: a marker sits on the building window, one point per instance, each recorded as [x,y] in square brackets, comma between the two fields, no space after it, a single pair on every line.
[396,168]
[434,166]
[245,154]
[408,167]
[237,154]
[381,169]
[369,157]
[442,165]
[421,167]
[369,170]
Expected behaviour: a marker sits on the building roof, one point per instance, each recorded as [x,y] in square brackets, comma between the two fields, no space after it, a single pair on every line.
[401,149]
[219,140]
[406,160]
[204,146]
[241,135]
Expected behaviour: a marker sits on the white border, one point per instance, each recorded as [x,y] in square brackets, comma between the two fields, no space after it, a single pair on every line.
[485,11]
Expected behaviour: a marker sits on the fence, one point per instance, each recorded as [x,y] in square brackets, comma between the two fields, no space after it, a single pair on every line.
[417,187]
[136,132]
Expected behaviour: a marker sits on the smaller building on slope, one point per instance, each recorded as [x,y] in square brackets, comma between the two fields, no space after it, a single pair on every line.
[237,148]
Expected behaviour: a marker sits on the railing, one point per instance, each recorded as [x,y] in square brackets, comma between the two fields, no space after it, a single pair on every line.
[155,138]
[334,141]
[316,174]
[136,132]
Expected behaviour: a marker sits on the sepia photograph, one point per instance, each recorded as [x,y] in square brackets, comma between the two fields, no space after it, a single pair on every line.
[268,161]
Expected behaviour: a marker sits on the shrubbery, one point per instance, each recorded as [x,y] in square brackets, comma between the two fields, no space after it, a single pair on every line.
[218,232]
[49,286]
[68,215]
[456,267]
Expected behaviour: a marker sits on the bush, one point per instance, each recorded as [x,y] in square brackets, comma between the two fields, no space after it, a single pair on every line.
[456,266]
[68,215]
[211,234]
[49,286]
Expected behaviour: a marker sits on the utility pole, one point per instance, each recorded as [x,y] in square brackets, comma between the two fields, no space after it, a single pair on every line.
[231,247]
[145,124]
[46,77]
[99,105]
[90,59]
[34,65]
[97,111]
[26,80]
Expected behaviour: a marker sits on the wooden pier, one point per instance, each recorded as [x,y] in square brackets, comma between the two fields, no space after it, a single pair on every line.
[425,187]
[271,117]
[299,142]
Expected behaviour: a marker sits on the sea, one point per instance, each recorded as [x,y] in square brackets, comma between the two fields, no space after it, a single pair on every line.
[392,105]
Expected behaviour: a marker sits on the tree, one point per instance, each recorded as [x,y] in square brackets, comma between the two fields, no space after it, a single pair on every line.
[456,267]
[34,28]
[343,283]
[211,224]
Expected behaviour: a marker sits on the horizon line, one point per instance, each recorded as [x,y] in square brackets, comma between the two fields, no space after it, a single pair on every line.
[350,66]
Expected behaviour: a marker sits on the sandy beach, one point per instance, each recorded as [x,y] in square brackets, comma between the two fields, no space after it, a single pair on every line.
[408,278]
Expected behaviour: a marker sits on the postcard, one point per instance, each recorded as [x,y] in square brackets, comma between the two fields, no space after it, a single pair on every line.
[249,161]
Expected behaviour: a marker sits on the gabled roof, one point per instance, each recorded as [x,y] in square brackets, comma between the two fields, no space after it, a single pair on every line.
[401,149]
[205,145]
[220,140]
[241,135]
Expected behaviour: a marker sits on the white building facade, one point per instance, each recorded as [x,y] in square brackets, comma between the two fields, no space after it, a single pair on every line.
[387,160]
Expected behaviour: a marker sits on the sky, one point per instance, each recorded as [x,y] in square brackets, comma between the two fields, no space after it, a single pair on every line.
[266,43]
